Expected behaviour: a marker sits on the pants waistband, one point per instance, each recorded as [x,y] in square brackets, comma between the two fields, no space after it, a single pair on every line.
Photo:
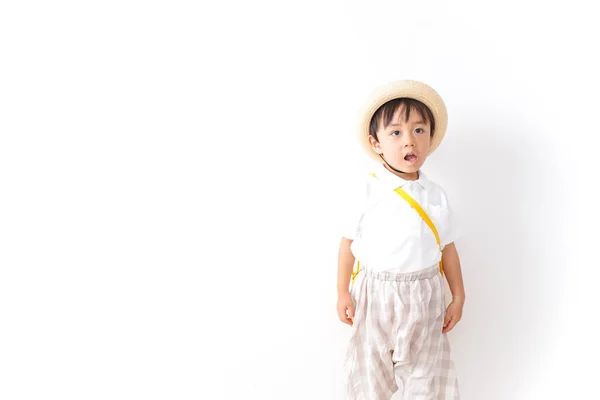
[426,273]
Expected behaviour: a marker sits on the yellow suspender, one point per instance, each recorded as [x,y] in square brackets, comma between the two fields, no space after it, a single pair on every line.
[423,215]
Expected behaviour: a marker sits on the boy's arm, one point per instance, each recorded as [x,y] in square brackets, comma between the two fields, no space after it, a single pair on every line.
[345,265]
[345,307]
[453,273]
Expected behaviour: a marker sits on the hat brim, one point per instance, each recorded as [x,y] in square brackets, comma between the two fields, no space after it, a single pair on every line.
[399,89]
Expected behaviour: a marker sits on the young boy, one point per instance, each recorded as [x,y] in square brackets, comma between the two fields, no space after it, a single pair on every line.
[400,241]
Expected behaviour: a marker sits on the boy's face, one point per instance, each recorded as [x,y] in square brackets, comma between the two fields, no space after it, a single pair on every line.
[403,144]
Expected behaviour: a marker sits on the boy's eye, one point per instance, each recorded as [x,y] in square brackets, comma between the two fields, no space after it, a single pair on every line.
[395,133]
[419,130]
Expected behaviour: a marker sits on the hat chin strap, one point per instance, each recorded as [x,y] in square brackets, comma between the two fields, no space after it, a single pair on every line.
[386,163]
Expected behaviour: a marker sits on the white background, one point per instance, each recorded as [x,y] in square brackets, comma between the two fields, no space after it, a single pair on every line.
[170,180]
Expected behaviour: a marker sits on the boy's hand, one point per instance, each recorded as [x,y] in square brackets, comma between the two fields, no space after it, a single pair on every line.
[345,308]
[453,315]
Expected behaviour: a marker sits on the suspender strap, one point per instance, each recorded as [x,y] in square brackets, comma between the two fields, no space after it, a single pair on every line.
[413,203]
[355,272]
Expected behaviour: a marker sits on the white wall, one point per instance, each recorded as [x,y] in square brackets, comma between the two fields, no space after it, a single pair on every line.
[171,178]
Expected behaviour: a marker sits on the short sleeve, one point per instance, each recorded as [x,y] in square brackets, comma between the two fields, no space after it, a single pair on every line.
[352,206]
[452,231]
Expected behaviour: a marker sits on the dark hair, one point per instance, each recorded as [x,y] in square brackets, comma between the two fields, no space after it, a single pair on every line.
[385,113]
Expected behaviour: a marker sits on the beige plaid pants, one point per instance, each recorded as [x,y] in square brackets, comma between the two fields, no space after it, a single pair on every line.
[397,338]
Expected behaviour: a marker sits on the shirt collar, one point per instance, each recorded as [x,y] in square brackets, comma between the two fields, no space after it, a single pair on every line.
[393,181]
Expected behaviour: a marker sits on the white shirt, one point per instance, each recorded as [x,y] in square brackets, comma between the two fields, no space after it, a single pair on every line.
[387,233]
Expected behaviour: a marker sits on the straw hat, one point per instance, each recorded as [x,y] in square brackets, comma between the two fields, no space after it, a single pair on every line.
[394,90]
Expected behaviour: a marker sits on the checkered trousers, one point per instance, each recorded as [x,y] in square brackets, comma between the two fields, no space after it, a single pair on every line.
[397,339]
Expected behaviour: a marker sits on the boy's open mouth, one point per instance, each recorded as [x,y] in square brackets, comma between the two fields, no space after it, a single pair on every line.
[411,158]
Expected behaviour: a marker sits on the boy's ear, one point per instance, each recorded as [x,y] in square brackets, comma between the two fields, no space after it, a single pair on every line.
[375,145]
